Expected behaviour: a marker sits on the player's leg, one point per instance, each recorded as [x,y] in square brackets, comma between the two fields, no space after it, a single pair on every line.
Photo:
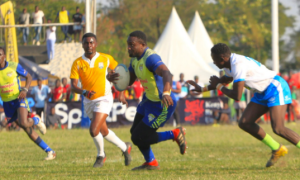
[97,121]
[277,114]
[110,136]
[25,125]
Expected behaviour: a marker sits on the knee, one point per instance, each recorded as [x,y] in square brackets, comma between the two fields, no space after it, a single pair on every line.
[242,124]
[135,139]
[104,132]
[94,132]
[278,130]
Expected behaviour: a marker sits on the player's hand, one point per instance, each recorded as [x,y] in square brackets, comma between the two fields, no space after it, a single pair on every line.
[197,87]
[214,81]
[167,101]
[112,76]
[89,94]
[122,99]
[22,95]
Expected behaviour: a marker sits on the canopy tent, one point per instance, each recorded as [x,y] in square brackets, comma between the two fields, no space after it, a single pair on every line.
[34,70]
[201,40]
[178,52]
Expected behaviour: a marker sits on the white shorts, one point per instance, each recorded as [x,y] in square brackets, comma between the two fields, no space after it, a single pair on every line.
[102,104]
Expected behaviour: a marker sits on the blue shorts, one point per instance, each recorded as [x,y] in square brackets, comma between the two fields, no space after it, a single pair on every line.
[155,115]
[277,93]
[11,108]
[77,27]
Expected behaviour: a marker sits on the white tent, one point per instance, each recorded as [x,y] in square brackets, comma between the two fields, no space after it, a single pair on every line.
[179,54]
[201,40]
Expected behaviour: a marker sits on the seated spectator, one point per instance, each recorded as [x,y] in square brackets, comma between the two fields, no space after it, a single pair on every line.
[40,93]
[67,88]
[58,93]
[53,120]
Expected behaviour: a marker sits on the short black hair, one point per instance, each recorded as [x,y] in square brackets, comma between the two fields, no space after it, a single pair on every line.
[221,48]
[3,49]
[77,7]
[89,35]
[140,35]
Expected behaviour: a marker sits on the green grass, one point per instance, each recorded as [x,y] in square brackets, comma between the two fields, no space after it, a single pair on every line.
[224,152]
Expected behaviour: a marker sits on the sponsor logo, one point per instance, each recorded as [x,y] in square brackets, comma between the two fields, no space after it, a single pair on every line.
[9,74]
[141,67]
[151,117]
[287,98]
[272,99]
[22,104]
[101,65]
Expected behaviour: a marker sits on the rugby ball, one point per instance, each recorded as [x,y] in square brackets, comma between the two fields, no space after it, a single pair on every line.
[123,82]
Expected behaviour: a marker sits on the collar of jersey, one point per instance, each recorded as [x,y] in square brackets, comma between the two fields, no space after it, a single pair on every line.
[4,66]
[92,61]
[142,54]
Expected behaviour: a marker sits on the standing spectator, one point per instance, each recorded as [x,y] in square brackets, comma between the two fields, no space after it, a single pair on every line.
[194,93]
[53,120]
[67,88]
[24,19]
[184,86]
[58,93]
[77,18]
[83,23]
[40,93]
[176,89]
[38,18]
[63,17]
[138,89]
[51,38]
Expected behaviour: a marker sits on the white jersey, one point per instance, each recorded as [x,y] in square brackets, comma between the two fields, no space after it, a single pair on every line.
[256,76]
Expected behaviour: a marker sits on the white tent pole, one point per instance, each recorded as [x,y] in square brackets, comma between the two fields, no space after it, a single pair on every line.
[95,17]
[87,16]
[275,36]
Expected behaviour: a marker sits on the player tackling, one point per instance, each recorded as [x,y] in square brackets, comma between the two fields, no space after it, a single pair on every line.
[272,94]
[91,69]
[15,104]
[158,102]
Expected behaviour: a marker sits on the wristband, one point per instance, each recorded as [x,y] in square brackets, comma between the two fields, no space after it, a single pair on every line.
[219,86]
[84,92]
[166,93]
[25,89]
[204,89]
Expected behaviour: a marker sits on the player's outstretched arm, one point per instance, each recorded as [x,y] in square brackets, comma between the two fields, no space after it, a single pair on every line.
[235,93]
[226,80]
[24,90]
[164,72]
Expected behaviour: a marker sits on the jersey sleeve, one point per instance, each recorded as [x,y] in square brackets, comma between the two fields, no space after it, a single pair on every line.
[153,62]
[21,71]
[74,71]
[238,72]
[112,62]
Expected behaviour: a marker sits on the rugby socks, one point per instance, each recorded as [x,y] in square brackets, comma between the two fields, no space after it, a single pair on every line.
[42,144]
[298,145]
[148,154]
[269,141]
[98,140]
[163,136]
[36,120]
[114,139]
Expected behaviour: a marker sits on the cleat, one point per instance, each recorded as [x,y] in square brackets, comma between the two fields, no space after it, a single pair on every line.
[276,155]
[126,154]
[41,125]
[153,165]
[51,155]
[99,162]
[179,137]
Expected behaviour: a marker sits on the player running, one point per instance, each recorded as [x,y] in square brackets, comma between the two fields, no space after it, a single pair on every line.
[272,94]
[15,104]
[158,102]
[91,69]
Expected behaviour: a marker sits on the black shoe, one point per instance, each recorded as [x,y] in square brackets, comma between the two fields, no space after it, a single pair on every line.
[126,154]
[180,139]
[99,162]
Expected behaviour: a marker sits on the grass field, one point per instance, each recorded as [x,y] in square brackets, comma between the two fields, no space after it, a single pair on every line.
[224,152]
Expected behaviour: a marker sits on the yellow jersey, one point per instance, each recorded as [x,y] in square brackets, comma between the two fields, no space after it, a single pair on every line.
[92,73]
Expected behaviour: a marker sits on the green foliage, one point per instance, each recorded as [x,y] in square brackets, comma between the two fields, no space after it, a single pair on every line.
[244,25]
